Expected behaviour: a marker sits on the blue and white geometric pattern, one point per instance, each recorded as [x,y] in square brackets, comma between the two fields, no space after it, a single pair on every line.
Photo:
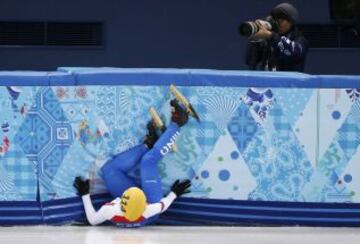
[328,179]
[293,102]
[277,161]
[45,136]
[18,176]
[251,143]
[125,111]
[242,127]
[350,177]
[306,129]
[221,103]
[194,144]
[207,132]
[260,101]
[334,106]
[224,174]
[349,137]
[76,162]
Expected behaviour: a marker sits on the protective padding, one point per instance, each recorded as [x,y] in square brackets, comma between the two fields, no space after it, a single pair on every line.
[284,147]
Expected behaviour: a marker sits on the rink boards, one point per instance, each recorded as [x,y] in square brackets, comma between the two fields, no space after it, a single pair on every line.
[271,148]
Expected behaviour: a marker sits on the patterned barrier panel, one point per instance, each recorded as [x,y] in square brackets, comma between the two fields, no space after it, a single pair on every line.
[264,138]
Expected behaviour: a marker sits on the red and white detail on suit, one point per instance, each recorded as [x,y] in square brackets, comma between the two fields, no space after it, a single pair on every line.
[112,211]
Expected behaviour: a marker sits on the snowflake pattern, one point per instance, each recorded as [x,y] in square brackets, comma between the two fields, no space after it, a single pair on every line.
[260,102]
[353,94]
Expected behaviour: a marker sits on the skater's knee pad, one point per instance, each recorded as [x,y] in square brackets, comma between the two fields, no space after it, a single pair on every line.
[133,203]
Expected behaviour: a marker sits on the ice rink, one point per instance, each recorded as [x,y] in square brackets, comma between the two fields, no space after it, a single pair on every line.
[174,235]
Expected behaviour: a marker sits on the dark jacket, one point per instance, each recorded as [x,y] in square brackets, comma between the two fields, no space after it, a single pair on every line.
[282,52]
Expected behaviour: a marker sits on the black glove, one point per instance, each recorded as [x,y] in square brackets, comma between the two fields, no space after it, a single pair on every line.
[82,186]
[180,188]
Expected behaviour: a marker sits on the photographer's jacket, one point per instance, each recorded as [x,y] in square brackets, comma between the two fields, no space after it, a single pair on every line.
[288,51]
[282,52]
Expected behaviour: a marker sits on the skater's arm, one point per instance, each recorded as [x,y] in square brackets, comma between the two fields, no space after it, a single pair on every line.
[95,217]
[160,207]
[177,189]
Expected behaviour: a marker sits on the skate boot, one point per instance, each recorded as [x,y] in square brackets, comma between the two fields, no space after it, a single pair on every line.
[157,120]
[151,136]
[182,99]
[159,124]
[179,114]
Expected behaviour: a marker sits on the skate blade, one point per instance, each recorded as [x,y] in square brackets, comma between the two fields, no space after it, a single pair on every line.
[156,118]
[159,124]
[181,98]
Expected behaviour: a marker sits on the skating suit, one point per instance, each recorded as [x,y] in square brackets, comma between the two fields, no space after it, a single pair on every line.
[112,212]
[115,171]
[117,180]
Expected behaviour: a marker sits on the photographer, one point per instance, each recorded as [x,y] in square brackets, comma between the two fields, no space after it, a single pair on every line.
[277,44]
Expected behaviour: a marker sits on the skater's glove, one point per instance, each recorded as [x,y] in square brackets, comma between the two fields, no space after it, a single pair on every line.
[180,188]
[82,186]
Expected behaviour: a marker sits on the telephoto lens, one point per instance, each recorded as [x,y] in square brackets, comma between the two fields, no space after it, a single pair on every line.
[250,28]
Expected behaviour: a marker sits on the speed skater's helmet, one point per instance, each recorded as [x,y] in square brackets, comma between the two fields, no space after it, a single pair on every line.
[133,203]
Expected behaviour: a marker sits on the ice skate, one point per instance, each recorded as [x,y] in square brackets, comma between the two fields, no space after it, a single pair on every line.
[158,123]
[179,113]
[182,99]
[157,120]
[151,136]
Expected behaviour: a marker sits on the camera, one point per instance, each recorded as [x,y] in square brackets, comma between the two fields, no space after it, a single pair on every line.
[250,28]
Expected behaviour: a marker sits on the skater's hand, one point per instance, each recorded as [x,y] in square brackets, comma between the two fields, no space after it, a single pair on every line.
[82,186]
[180,188]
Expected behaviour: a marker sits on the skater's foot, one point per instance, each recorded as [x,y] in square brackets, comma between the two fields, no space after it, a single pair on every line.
[158,123]
[151,136]
[179,113]
[184,102]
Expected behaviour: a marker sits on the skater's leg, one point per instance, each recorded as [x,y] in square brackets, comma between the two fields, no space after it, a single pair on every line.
[117,182]
[114,172]
[150,179]
[126,160]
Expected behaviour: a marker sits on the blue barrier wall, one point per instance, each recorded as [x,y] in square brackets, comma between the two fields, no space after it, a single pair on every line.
[271,148]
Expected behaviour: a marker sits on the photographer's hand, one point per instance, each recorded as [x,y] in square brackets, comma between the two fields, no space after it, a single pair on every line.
[263,33]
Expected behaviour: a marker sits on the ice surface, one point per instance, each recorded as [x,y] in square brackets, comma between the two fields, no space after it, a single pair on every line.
[174,235]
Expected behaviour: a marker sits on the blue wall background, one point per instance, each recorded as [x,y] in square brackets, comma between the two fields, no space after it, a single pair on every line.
[159,33]
[271,148]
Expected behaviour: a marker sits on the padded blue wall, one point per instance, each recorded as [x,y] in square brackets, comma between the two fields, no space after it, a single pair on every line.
[270,147]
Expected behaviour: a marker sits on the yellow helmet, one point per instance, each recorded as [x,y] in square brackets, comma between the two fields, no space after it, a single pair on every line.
[133,203]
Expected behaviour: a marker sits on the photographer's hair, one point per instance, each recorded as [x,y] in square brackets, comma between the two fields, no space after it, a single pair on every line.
[285,11]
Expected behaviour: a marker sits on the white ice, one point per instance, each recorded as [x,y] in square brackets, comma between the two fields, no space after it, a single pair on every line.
[175,235]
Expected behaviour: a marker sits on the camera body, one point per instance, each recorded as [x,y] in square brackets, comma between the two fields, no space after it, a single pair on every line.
[250,28]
